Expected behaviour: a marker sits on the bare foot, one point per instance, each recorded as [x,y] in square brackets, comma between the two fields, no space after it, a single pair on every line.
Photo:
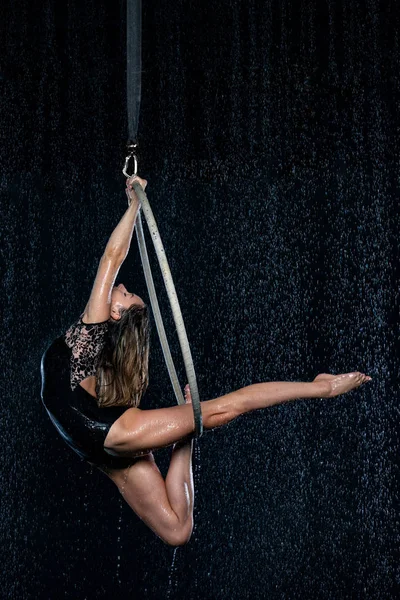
[341,384]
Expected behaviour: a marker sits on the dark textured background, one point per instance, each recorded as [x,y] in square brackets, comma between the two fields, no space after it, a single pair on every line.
[269,136]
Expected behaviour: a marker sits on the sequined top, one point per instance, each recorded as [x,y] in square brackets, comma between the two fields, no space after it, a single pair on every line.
[86,341]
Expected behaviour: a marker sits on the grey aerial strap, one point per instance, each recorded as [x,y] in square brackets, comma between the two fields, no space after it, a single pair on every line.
[133,102]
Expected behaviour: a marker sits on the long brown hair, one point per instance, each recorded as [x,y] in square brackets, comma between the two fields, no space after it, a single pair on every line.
[122,374]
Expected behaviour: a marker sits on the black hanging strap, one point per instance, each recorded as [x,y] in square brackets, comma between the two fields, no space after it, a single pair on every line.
[134,65]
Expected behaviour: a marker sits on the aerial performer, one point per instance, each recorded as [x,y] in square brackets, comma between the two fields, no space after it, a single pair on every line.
[93,379]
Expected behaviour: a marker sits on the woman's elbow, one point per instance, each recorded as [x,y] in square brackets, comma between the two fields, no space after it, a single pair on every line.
[114,255]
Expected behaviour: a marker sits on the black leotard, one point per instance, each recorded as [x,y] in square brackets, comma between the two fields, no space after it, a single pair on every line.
[74,412]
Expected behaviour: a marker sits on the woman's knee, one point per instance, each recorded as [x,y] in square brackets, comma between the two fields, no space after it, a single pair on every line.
[181,536]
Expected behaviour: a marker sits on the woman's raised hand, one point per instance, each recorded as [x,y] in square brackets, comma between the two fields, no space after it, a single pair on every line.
[131,194]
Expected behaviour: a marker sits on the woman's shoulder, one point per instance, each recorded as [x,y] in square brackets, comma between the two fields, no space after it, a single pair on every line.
[83,320]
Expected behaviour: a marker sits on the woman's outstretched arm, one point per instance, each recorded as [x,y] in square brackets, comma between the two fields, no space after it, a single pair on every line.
[120,239]
[99,306]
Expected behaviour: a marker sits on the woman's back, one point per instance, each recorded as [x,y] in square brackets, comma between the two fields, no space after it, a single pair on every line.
[74,412]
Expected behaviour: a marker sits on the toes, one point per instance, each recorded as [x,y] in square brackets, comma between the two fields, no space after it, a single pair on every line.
[356,375]
[363,378]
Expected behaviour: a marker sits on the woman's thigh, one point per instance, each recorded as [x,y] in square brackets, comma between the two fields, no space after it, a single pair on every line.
[138,429]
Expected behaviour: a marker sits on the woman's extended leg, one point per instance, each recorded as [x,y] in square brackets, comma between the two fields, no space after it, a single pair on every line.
[138,430]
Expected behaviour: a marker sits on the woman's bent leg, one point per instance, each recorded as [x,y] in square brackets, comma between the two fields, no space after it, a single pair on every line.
[139,430]
[165,506]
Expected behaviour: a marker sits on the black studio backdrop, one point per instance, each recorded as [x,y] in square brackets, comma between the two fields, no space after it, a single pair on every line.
[269,135]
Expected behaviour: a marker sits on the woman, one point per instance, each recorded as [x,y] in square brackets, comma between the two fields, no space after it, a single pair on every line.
[95,375]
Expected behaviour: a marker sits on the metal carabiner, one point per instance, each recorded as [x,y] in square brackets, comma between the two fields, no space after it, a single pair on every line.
[131,154]
[125,169]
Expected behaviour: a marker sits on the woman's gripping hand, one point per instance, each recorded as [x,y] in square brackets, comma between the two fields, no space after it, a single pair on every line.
[130,192]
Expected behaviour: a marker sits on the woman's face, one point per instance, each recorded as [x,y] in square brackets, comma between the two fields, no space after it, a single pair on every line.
[120,297]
